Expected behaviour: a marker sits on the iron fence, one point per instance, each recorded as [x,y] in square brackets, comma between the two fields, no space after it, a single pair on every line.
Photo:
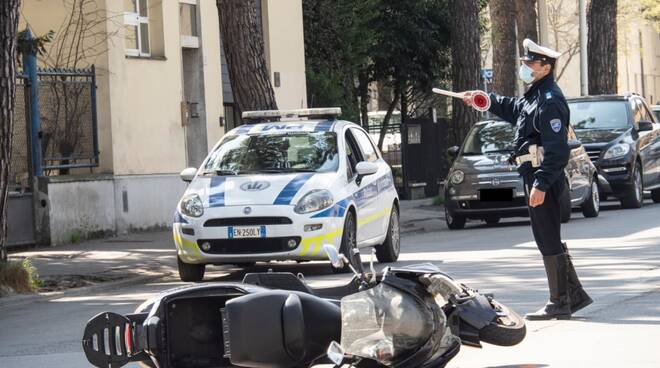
[19,168]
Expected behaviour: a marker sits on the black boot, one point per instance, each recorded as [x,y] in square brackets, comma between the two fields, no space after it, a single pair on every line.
[579,297]
[559,305]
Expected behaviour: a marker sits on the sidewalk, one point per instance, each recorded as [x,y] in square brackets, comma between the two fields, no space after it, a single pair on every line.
[136,257]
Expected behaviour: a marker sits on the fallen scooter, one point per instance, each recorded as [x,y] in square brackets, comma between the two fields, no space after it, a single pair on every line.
[414,316]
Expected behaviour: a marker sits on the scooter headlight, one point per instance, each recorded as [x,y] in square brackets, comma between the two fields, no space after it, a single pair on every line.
[191,205]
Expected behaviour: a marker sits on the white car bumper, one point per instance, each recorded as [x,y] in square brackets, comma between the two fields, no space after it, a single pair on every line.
[191,233]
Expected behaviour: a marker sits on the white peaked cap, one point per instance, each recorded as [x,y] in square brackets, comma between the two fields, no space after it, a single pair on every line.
[533,51]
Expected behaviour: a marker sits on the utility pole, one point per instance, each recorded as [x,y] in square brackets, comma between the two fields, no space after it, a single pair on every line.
[584,80]
[543,23]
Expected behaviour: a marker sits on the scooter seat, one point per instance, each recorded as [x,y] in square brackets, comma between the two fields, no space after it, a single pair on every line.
[279,329]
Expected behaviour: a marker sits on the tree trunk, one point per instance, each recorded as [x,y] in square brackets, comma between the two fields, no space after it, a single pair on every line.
[8,26]
[363,92]
[387,119]
[601,46]
[503,33]
[526,22]
[466,62]
[244,47]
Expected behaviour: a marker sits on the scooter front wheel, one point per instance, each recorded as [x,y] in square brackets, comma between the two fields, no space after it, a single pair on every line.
[507,329]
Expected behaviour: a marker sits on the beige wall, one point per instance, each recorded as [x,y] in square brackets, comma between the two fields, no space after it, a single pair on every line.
[285,50]
[213,86]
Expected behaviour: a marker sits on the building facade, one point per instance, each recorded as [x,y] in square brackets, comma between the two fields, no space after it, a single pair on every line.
[160,100]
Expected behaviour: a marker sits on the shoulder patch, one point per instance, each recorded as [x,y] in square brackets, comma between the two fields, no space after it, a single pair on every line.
[555,124]
[548,95]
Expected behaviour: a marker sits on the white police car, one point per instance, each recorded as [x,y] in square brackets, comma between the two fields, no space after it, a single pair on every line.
[280,187]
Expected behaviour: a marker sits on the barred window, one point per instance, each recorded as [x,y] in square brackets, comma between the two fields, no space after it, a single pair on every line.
[136,27]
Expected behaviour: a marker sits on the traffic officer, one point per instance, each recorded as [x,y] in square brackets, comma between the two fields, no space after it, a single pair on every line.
[541,118]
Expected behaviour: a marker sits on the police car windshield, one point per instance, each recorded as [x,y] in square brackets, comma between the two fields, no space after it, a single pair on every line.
[605,115]
[493,137]
[275,153]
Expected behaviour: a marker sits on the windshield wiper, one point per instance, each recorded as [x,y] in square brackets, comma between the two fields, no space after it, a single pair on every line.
[224,172]
[284,170]
[499,151]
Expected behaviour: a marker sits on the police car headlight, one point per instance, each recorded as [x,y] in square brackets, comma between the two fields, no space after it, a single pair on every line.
[313,201]
[617,150]
[191,205]
[457,177]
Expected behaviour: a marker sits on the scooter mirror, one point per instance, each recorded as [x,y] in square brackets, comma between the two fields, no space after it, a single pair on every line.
[335,353]
[333,255]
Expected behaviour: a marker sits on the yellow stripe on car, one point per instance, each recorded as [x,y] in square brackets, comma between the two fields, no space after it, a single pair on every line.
[184,243]
[318,241]
[374,217]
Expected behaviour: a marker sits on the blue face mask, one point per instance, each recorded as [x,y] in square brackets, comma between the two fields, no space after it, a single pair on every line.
[525,73]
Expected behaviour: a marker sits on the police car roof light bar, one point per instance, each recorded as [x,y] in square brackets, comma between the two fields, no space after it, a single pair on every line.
[318,113]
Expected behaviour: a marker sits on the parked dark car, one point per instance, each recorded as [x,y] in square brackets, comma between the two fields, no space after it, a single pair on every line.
[483,185]
[622,138]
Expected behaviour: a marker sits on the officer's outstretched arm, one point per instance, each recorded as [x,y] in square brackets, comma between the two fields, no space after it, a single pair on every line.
[554,139]
[504,107]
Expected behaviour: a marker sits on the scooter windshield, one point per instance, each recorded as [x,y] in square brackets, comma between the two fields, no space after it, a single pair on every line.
[383,324]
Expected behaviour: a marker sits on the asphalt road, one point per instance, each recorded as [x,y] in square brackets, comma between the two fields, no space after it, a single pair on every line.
[617,256]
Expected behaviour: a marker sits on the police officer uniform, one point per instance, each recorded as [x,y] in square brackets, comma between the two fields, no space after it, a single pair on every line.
[541,117]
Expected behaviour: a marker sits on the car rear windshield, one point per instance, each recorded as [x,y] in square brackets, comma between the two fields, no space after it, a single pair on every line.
[493,137]
[265,153]
[605,115]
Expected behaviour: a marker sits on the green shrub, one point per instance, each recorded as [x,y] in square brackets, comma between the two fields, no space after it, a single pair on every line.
[18,277]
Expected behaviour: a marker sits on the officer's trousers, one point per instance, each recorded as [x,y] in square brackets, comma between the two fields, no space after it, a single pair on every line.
[546,218]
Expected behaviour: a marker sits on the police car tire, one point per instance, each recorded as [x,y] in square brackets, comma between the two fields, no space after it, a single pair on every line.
[350,231]
[190,272]
[634,199]
[454,222]
[389,251]
[591,205]
[655,195]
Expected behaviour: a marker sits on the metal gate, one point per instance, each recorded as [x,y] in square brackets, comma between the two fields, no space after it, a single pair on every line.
[20,211]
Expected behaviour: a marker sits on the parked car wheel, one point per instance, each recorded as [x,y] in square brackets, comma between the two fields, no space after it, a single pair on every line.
[635,196]
[190,272]
[655,195]
[454,222]
[591,206]
[389,250]
[565,205]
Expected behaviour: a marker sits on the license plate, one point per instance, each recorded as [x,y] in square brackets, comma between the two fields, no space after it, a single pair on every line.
[246,232]
[496,195]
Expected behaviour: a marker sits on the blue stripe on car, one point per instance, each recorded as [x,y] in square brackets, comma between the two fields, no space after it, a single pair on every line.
[290,190]
[178,219]
[217,190]
[337,210]
[323,126]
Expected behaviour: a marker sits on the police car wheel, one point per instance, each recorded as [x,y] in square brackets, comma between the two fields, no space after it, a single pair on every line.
[190,272]
[454,222]
[348,243]
[635,196]
[389,250]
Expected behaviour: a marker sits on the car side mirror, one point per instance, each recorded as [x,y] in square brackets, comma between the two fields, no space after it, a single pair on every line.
[188,174]
[644,126]
[574,143]
[453,151]
[365,168]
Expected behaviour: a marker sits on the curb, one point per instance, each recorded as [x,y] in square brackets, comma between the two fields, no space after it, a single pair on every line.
[18,300]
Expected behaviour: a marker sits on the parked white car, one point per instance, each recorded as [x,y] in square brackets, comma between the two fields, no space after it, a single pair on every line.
[274,190]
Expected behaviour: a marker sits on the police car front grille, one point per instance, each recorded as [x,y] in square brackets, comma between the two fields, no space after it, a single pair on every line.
[249,246]
[247,221]
[593,155]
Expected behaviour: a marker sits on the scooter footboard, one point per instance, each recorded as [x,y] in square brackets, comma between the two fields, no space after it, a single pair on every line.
[109,339]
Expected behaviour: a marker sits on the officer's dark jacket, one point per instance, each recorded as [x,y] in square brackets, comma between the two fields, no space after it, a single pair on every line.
[541,117]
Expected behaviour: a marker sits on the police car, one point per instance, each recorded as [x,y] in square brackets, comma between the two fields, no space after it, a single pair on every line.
[282,186]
